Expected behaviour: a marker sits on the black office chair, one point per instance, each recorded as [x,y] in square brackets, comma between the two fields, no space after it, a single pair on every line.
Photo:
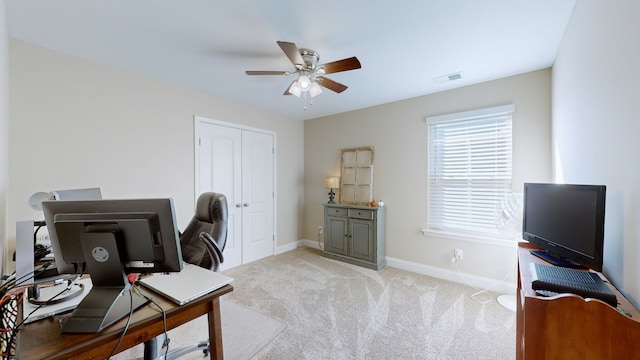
[203,240]
[202,243]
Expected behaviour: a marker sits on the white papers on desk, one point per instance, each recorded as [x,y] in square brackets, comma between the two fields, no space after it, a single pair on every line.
[187,285]
[54,309]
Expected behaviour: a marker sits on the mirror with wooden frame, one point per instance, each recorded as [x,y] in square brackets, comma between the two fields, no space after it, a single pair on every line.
[356,180]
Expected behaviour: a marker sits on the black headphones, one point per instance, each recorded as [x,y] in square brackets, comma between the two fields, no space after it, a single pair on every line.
[33,293]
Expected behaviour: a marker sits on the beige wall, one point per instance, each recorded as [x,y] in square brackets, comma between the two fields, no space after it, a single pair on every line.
[397,131]
[596,127]
[76,124]
[4,133]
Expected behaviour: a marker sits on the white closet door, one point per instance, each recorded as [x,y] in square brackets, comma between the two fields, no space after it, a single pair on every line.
[239,163]
[220,171]
[257,195]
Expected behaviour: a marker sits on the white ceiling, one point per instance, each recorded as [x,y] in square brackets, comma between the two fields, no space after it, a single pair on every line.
[207,45]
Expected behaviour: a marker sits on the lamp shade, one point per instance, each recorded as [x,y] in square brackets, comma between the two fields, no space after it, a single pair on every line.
[332,182]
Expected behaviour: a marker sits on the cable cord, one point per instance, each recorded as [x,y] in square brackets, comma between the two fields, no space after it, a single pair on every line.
[12,293]
[16,328]
[13,282]
[164,318]
[480,291]
[71,295]
[8,318]
[126,326]
[24,278]
[50,301]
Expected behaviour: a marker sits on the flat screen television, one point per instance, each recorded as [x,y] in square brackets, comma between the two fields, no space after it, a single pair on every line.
[109,239]
[567,222]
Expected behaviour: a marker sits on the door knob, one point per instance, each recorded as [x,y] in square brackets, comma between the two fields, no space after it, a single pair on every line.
[245,204]
[238,205]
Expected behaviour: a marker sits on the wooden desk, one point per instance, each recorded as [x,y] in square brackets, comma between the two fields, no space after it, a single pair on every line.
[568,326]
[44,340]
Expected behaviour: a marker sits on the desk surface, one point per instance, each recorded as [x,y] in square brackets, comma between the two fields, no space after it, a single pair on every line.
[525,257]
[567,326]
[44,340]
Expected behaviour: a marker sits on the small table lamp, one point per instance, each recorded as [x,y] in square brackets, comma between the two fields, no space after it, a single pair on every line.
[331,182]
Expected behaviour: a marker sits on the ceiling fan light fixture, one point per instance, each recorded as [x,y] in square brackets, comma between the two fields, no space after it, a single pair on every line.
[310,75]
[315,89]
[294,89]
[304,82]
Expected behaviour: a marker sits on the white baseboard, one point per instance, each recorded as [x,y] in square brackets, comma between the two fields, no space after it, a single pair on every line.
[310,243]
[287,247]
[475,281]
[479,282]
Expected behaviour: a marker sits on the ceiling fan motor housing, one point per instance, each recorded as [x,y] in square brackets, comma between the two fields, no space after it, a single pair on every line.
[310,58]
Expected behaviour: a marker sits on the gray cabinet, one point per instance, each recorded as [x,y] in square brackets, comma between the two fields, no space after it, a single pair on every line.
[355,234]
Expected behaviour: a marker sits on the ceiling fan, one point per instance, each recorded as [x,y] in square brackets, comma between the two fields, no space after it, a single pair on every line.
[310,74]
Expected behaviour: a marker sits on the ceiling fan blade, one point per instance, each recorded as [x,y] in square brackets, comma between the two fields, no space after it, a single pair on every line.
[351,63]
[330,84]
[292,52]
[250,72]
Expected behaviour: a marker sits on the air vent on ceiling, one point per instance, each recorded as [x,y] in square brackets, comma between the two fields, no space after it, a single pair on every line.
[448,77]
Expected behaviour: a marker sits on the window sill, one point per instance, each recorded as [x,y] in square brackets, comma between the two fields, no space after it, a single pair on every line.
[508,242]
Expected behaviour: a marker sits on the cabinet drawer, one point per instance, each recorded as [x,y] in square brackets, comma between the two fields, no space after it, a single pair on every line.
[336,211]
[361,214]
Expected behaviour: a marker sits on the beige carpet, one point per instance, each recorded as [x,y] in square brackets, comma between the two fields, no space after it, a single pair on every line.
[334,310]
[244,333]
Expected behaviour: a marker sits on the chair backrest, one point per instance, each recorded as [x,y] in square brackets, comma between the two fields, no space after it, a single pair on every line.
[205,250]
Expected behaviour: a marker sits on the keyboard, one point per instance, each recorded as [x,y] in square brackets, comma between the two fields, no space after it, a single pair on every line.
[567,280]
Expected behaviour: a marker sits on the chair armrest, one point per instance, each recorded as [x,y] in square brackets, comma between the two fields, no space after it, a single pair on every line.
[212,248]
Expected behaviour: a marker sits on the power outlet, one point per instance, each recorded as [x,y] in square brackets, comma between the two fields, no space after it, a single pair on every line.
[320,230]
[458,255]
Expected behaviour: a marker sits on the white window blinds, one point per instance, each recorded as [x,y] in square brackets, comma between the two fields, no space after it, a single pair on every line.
[469,170]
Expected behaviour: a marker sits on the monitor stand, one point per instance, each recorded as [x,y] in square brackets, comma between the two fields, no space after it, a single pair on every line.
[544,255]
[100,308]
[106,302]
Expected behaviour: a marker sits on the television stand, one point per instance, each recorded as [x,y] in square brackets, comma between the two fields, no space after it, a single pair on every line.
[544,255]
[568,326]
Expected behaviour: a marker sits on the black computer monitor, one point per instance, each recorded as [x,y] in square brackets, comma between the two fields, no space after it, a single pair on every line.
[109,239]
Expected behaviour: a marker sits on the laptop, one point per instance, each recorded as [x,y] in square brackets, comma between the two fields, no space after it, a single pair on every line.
[189,284]
[36,312]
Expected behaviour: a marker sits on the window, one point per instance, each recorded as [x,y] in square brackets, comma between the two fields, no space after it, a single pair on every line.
[469,171]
